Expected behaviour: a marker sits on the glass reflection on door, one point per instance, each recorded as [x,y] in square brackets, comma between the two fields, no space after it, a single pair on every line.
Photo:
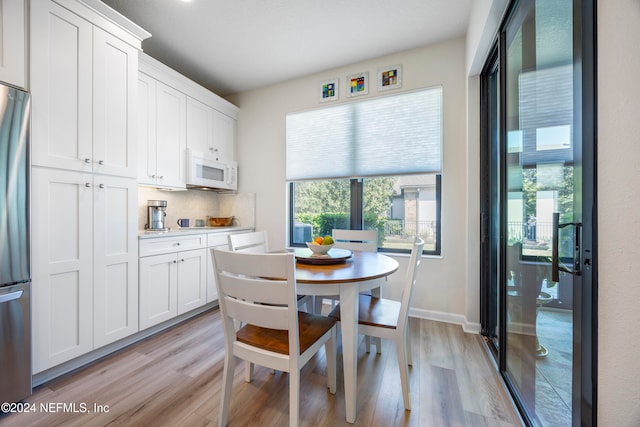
[539,182]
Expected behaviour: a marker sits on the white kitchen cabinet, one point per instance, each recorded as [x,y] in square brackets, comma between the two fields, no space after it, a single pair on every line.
[115,259]
[210,121]
[200,127]
[12,42]
[172,277]
[84,260]
[158,289]
[84,210]
[83,82]
[224,137]
[61,117]
[192,279]
[171,244]
[62,273]
[210,132]
[162,134]
[115,74]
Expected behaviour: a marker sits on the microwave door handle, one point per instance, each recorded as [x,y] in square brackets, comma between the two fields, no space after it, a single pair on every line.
[228,180]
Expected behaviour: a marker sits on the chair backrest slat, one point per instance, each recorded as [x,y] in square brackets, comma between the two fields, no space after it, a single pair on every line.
[252,264]
[356,240]
[254,242]
[266,316]
[267,291]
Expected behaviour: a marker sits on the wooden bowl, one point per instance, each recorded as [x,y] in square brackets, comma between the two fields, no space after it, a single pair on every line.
[219,221]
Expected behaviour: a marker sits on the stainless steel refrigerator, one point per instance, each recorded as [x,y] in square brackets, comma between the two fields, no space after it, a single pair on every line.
[15,274]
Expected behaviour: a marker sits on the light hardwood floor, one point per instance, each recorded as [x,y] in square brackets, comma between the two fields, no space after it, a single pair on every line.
[173,379]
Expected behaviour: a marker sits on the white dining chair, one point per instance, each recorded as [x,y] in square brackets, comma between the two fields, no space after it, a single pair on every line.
[389,319]
[354,240]
[259,291]
[253,242]
[256,242]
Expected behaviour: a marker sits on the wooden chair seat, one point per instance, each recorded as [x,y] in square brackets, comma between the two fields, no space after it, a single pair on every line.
[373,311]
[311,328]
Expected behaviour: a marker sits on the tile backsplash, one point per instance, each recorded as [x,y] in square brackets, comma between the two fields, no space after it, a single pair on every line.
[198,204]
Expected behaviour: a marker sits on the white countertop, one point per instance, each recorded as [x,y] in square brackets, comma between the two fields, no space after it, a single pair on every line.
[177,231]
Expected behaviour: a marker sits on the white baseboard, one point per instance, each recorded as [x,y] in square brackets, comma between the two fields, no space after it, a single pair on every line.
[440,316]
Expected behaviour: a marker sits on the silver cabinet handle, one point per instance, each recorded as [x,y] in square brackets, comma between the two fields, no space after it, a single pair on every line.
[152,176]
[182,260]
[101,162]
[87,184]
[161,176]
[101,185]
[174,261]
[87,160]
[10,296]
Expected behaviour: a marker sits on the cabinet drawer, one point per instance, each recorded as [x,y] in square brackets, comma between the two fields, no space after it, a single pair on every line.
[163,245]
[217,240]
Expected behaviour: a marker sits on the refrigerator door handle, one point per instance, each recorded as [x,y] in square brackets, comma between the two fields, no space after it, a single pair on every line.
[10,296]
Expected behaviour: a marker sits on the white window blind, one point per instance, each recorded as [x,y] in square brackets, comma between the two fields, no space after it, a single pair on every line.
[391,135]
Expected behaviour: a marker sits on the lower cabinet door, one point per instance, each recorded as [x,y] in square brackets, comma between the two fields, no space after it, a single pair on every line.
[158,289]
[62,277]
[192,279]
[115,259]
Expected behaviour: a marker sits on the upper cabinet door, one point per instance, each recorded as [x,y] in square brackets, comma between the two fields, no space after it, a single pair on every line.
[224,137]
[210,132]
[61,87]
[146,129]
[12,42]
[171,110]
[84,86]
[200,128]
[115,77]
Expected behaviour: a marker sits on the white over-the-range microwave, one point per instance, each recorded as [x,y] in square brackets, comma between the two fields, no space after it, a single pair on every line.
[205,173]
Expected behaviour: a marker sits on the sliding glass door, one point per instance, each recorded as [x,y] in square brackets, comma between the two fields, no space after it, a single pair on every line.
[537,201]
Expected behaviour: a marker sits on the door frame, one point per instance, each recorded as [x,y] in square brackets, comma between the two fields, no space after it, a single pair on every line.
[585,288]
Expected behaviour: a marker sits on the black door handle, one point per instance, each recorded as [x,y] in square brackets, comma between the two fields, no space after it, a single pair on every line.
[556,267]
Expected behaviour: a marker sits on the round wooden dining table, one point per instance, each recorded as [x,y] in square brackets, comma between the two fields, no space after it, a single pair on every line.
[357,273]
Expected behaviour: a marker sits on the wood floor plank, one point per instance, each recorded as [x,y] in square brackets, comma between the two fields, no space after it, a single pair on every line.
[174,379]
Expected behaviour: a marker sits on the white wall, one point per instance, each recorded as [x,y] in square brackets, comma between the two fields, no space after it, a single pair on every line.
[618,213]
[484,21]
[441,291]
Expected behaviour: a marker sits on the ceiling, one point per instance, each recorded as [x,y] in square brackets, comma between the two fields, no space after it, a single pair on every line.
[231,46]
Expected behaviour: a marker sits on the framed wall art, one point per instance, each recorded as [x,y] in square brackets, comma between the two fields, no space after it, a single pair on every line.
[358,84]
[329,90]
[390,77]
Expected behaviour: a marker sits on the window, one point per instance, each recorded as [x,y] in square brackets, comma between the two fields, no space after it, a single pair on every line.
[373,164]
[399,207]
